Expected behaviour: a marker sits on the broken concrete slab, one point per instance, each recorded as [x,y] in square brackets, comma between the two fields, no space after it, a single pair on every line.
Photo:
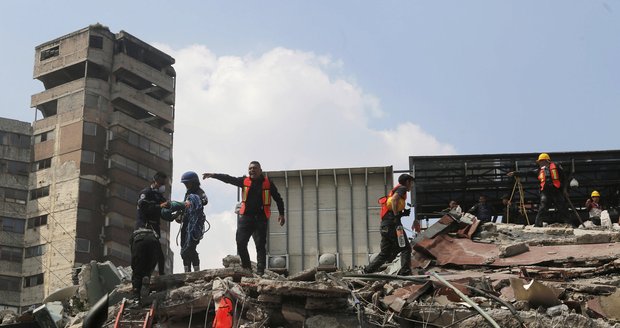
[513,249]
[295,288]
[536,293]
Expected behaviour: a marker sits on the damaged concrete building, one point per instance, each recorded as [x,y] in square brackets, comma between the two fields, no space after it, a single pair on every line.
[103,126]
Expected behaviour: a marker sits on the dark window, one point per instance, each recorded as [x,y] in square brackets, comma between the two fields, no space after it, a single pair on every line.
[9,283]
[34,251]
[90,129]
[37,221]
[95,41]
[91,100]
[85,215]
[87,185]
[39,192]
[82,245]
[45,136]
[42,164]
[35,280]
[49,53]
[17,168]
[12,254]
[15,196]
[88,157]
[12,225]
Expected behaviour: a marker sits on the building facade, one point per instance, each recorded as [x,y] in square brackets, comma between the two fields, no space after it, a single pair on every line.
[15,139]
[104,126]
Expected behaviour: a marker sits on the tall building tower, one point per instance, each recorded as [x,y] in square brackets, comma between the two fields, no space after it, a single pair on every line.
[104,126]
[14,168]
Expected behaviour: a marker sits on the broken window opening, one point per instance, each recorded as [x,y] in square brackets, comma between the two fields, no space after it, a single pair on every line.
[39,192]
[42,164]
[37,221]
[50,53]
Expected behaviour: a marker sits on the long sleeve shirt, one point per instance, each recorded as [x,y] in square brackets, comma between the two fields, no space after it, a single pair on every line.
[254,202]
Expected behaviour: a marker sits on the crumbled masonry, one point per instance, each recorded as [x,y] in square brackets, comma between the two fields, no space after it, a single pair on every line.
[554,276]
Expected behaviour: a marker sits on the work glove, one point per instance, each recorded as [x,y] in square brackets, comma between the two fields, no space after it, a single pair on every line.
[406,212]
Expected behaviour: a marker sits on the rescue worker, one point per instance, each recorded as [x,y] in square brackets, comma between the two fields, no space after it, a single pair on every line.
[392,209]
[594,207]
[150,202]
[483,210]
[146,252]
[550,176]
[145,255]
[254,212]
[192,220]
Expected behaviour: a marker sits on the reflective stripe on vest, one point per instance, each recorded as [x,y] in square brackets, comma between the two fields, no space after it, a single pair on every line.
[555,176]
[266,195]
[384,201]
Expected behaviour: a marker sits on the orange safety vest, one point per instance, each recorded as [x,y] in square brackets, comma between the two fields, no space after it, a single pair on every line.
[247,182]
[555,176]
[223,315]
[384,201]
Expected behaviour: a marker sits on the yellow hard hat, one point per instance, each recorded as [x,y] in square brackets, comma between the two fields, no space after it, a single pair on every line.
[543,157]
[595,194]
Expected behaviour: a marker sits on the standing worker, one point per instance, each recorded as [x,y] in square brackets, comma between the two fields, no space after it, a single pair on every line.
[257,191]
[392,209]
[192,220]
[146,250]
[550,175]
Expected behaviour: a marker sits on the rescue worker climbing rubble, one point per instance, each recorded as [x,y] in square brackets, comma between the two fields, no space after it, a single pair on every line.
[550,176]
[146,252]
[192,221]
[392,210]
[255,210]
[594,208]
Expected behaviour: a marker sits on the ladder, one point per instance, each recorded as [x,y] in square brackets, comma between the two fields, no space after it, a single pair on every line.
[134,318]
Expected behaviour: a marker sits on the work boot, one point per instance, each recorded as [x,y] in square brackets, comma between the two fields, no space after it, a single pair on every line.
[196,268]
[145,290]
[187,268]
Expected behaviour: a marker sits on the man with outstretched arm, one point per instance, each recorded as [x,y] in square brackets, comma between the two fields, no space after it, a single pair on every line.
[257,191]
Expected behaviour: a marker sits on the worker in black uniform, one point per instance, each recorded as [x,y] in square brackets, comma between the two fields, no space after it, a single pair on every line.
[254,212]
[146,252]
[483,210]
[392,210]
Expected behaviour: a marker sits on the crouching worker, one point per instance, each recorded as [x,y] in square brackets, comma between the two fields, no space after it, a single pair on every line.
[192,220]
[392,209]
[145,251]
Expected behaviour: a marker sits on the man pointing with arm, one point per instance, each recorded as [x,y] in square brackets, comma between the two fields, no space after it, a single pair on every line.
[257,191]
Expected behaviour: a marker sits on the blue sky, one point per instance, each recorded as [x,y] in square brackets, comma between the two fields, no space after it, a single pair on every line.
[354,83]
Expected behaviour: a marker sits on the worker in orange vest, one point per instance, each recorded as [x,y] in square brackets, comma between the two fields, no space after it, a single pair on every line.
[551,180]
[223,314]
[254,212]
[392,209]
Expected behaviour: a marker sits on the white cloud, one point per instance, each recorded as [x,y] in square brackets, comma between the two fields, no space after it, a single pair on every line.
[284,108]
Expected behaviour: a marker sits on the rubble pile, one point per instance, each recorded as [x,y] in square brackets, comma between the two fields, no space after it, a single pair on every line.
[468,274]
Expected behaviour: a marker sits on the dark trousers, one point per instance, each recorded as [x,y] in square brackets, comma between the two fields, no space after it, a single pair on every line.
[145,250]
[255,227]
[552,196]
[390,248]
[189,255]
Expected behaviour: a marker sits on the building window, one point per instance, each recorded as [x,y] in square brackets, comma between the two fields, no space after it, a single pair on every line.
[39,192]
[85,215]
[132,167]
[141,142]
[42,164]
[82,245]
[14,139]
[37,221]
[35,280]
[90,129]
[87,185]
[95,41]
[50,53]
[34,251]
[88,157]
[12,225]
[9,283]
[45,136]
[91,100]
[15,196]
[11,254]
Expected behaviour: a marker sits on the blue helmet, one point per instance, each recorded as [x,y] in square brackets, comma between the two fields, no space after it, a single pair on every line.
[190,176]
